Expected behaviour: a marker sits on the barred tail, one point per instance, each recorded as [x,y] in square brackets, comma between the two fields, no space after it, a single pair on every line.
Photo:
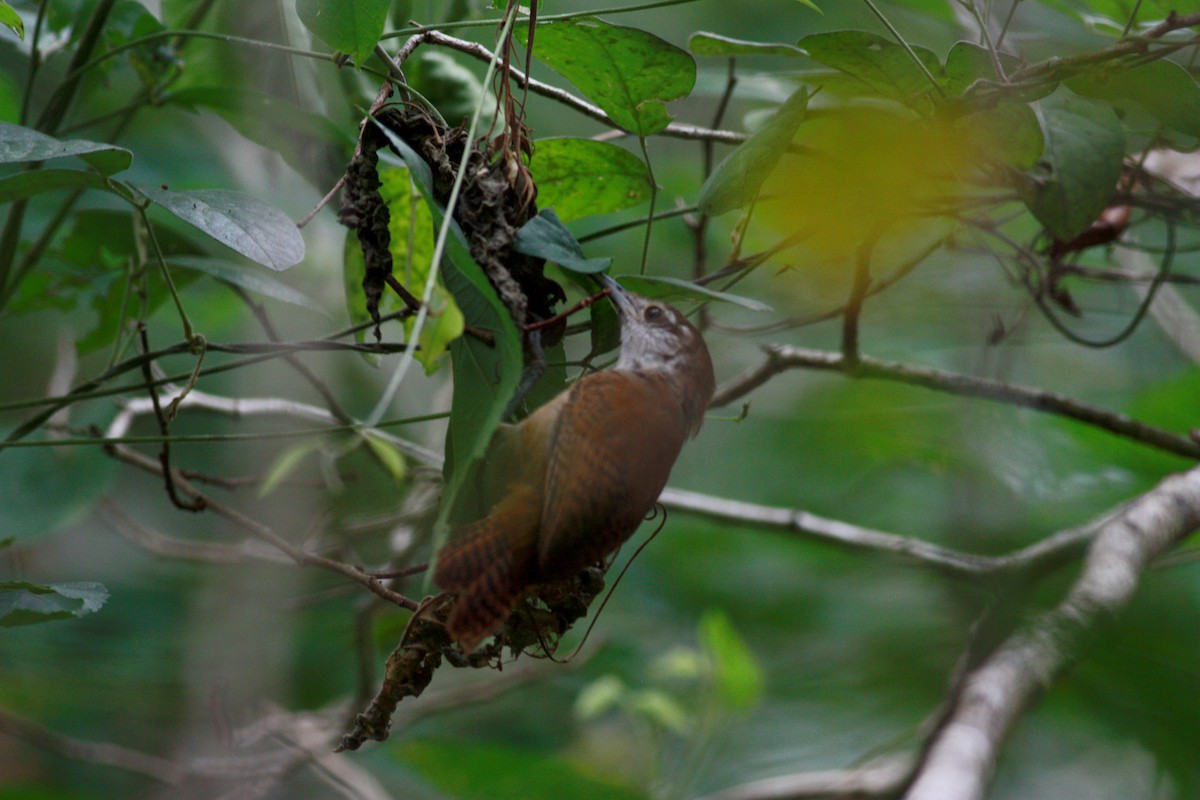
[488,565]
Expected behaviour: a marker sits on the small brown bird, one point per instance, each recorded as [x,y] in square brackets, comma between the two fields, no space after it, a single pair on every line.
[582,471]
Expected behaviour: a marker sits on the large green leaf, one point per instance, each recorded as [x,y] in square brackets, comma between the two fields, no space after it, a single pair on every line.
[627,72]
[1080,165]
[880,65]
[27,184]
[26,603]
[1161,88]
[257,230]
[495,772]
[582,177]
[736,181]
[544,236]
[348,26]
[18,145]
[485,374]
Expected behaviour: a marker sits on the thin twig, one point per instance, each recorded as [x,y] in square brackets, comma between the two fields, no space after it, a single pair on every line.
[780,359]
[164,427]
[1046,555]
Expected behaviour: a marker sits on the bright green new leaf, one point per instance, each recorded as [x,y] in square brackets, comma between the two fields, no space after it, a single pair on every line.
[12,20]
[736,181]
[665,287]
[1161,88]
[24,145]
[388,455]
[260,232]
[352,27]
[440,329]
[812,5]
[546,237]
[626,71]
[582,177]
[286,463]
[1080,166]
[26,603]
[661,710]
[880,65]
[599,697]
[737,674]
[704,43]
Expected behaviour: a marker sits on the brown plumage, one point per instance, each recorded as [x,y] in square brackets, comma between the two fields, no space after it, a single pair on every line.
[582,471]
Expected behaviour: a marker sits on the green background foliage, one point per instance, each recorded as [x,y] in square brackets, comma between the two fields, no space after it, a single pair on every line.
[153,163]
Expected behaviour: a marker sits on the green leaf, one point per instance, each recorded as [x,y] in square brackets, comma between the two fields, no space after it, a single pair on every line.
[599,697]
[494,772]
[349,27]
[626,71]
[1080,165]
[485,375]
[26,603]
[1009,133]
[387,454]
[260,232]
[582,177]
[439,331]
[660,709]
[24,145]
[606,329]
[736,181]
[704,43]
[454,90]
[663,287]
[880,65]
[286,463]
[737,674]
[546,237]
[1161,88]
[252,280]
[12,20]
[27,184]
[811,5]
[968,62]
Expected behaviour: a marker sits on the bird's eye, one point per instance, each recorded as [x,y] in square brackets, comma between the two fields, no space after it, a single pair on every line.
[654,313]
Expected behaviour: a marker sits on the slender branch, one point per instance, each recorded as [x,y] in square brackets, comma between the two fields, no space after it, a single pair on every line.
[92,752]
[780,359]
[160,544]
[164,427]
[879,778]
[962,754]
[1046,555]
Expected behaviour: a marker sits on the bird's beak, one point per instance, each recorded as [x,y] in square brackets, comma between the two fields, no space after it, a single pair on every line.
[619,296]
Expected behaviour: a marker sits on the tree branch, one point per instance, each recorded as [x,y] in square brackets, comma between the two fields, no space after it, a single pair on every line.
[1045,555]
[782,358]
[962,755]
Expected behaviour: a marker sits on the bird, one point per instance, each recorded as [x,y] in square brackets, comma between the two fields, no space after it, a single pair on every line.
[579,474]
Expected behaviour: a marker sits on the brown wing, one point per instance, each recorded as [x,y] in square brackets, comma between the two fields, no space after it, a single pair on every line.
[614,445]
